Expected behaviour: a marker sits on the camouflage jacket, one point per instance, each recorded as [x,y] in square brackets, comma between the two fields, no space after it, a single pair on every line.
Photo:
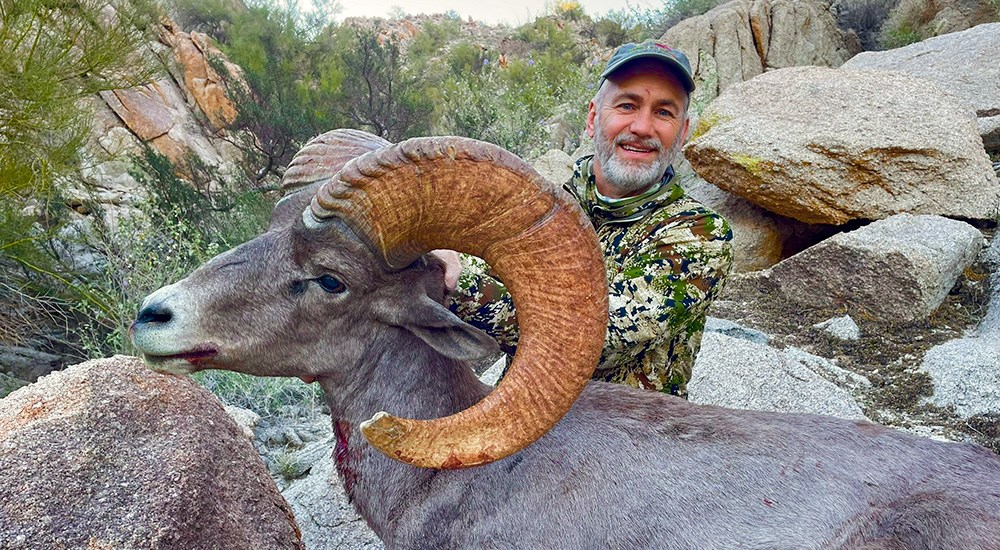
[666,257]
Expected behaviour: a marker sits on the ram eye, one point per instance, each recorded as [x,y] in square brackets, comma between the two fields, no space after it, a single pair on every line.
[331,284]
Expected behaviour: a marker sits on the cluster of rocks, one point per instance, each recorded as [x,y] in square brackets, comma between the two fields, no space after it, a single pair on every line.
[868,286]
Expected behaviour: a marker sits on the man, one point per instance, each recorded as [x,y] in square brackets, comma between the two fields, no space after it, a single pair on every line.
[665,254]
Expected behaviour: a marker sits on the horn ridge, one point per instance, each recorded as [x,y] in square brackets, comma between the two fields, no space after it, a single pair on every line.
[447,192]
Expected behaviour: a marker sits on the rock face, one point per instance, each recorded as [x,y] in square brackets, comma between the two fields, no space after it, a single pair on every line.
[760,238]
[962,63]
[966,371]
[829,145]
[180,116]
[193,52]
[27,364]
[555,166]
[741,374]
[741,39]
[897,269]
[966,374]
[108,454]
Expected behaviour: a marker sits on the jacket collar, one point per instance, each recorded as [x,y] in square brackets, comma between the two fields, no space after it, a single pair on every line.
[604,210]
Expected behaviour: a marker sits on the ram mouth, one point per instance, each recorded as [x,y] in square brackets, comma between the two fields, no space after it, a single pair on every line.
[181,363]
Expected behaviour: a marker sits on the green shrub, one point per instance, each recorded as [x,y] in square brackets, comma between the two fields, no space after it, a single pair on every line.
[618,27]
[569,10]
[513,107]
[178,229]
[900,35]
[266,396]
[657,21]
[52,55]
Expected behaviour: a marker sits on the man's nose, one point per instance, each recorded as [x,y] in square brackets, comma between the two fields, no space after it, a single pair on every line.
[642,124]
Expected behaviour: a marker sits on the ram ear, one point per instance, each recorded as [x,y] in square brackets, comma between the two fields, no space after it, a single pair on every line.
[289,209]
[439,328]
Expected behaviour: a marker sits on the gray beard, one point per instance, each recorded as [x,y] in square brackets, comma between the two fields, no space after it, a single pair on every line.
[630,178]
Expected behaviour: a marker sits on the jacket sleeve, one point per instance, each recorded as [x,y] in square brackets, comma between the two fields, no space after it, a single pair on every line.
[483,301]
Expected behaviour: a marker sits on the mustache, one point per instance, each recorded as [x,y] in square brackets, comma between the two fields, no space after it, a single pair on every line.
[628,138]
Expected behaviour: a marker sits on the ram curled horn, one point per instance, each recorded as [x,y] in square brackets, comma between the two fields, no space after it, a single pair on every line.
[457,193]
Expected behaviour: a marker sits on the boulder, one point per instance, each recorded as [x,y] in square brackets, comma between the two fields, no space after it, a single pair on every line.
[991,321]
[735,330]
[741,39]
[741,374]
[760,238]
[167,116]
[962,63]
[555,166]
[897,269]
[830,145]
[966,374]
[842,327]
[142,109]
[26,363]
[203,84]
[107,454]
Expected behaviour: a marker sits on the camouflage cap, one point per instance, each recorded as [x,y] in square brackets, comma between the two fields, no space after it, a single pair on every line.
[675,60]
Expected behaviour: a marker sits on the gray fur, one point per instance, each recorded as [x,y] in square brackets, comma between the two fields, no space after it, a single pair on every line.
[625,468]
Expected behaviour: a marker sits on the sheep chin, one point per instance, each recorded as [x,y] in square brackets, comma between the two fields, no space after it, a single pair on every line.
[182,363]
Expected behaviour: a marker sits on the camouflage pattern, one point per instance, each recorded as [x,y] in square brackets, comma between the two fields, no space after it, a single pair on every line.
[666,257]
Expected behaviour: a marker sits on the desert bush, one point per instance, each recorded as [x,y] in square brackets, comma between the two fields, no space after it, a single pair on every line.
[899,35]
[618,27]
[280,397]
[569,10]
[283,95]
[912,21]
[176,229]
[657,21]
[433,37]
[53,54]
[514,106]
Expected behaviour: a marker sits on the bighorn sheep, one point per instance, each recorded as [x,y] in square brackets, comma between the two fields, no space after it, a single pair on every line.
[338,289]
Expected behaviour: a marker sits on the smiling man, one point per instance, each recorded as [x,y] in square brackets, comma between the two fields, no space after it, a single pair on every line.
[665,254]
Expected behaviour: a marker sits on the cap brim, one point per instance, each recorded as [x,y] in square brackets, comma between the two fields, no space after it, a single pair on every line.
[675,66]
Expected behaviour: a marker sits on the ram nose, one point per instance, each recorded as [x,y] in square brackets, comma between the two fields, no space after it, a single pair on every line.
[154,313]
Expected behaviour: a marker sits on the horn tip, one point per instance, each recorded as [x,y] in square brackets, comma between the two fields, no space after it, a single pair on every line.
[383,429]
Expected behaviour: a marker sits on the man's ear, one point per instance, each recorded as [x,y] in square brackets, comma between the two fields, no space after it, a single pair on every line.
[591,115]
[684,132]
[437,327]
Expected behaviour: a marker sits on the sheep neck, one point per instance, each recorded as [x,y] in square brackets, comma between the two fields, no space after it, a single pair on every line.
[402,375]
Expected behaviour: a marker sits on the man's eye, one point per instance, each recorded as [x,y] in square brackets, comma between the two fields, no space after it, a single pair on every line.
[331,284]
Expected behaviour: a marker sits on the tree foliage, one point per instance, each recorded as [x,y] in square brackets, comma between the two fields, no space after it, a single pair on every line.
[52,55]
[383,95]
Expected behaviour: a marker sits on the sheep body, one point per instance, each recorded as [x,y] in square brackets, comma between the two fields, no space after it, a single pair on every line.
[633,469]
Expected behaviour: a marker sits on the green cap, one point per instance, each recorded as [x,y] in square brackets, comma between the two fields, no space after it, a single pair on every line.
[673,58]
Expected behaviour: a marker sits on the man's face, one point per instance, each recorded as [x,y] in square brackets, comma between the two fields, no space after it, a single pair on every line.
[638,124]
